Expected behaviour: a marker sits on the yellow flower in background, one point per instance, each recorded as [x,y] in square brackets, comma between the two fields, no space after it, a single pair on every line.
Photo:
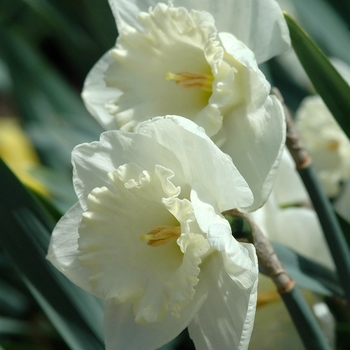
[18,153]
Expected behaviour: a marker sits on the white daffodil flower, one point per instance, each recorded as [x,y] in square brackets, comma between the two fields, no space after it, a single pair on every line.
[199,61]
[147,237]
[287,217]
[326,142]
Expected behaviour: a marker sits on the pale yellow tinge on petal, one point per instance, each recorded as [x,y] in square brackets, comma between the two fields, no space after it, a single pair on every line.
[189,80]
[156,281]
[333,145]
[161,235]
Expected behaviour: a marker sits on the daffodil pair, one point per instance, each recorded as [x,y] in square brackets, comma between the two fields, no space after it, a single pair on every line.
[147,235]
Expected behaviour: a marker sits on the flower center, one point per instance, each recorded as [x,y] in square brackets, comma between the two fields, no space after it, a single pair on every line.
[189,80]
[161,235]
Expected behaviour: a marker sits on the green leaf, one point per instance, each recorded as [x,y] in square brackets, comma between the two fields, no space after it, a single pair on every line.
[313,15]
[59,186]
[43,95]
[25,233]
[54,115]
[100,24]
[328,83]
[50,207]
[307,273]
[304,321]
[58,21]
[12,326]
[12,301]
[345,226]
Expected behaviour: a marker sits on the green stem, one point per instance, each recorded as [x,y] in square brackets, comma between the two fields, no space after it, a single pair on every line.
[304,320]
[330,226]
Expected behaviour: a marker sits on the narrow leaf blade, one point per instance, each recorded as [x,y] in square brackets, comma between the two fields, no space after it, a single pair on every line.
[308,274]
[25,234]
[328,83]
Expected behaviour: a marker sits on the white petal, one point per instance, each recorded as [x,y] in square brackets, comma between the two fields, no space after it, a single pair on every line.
[296,227]
[125,12]
[239,92]
[202,161]
[254,84]
[176,42]
[121,331]
[255,143]
[240,260]
[192,156]
[156,279]
[96,94]
[92,162]
[326,143]
[120,93]
[63,251]
[299,229]
[259,24]
[289,188]
[225,321]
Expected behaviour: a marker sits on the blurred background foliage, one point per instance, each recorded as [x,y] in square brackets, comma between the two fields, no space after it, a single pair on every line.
[47,48]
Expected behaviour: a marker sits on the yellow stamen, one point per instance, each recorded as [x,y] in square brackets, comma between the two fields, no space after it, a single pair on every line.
[333,145]
[161,235]
[189,80]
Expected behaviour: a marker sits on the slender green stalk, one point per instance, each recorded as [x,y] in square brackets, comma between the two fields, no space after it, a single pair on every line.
[330,226]
[304,320]
[25,230]
[327,81]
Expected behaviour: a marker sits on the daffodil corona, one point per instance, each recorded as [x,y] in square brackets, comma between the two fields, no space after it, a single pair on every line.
[148,238]
[202,66]
[177,65]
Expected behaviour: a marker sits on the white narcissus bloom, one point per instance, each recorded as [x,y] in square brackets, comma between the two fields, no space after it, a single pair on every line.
[148,237]
[202,66]
[326,143]
[287,219]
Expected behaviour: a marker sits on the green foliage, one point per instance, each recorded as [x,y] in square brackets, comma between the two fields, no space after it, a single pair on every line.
[48,47]
[329,84]
[308,274]
[26,229]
